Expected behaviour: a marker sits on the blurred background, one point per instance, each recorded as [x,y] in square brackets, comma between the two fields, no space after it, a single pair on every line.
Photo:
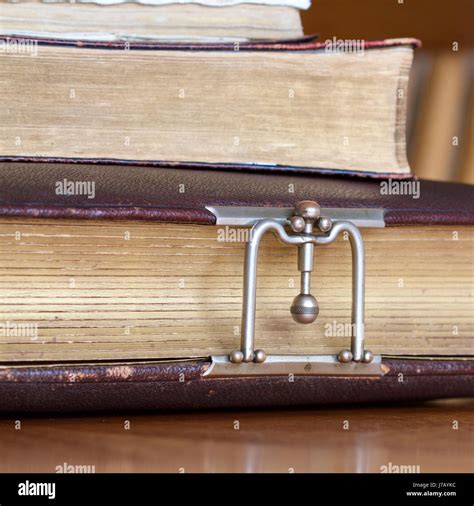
[441,98]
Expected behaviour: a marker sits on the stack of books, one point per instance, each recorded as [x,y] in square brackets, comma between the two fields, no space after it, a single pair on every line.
[136,140]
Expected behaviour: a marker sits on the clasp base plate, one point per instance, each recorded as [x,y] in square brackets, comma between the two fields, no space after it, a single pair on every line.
[298,365]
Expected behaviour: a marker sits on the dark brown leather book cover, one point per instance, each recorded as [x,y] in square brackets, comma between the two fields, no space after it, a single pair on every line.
[151,192]
[160,386]
[143,192]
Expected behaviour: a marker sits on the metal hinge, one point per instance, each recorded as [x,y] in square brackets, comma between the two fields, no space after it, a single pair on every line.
[310,226]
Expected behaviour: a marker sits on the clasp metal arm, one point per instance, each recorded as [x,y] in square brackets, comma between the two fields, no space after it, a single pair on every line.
[250,285]
[304,308]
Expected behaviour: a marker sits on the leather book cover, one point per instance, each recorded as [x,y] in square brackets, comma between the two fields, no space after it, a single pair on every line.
[141,192]
[149,192]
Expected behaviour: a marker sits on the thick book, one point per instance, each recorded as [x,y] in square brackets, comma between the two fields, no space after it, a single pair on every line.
[303,106]
[299,4]
[120,283]
[188,22]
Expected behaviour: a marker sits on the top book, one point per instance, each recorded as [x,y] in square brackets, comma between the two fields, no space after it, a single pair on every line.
[306,106]
[298,4]
[186,22]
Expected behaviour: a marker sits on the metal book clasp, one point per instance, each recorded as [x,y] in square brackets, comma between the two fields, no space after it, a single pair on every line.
[308,227]
[306,218]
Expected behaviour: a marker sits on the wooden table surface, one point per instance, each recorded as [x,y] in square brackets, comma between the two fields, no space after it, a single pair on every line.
[356,439]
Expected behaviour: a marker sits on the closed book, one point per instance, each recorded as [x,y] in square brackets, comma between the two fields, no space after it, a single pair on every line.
[304,105]
[122,287]
[130,21]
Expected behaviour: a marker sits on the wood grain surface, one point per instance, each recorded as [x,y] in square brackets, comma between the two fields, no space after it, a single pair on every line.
[422,436]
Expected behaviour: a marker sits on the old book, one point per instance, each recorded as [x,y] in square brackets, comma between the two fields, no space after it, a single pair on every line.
[299,4]
[133,290]
[306,105]
[123,292]
[189,22]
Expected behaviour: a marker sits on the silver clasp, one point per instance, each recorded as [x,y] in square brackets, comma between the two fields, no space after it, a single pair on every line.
[304,221]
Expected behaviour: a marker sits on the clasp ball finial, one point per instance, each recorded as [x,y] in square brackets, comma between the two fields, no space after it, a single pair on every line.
[297,223]
[308,209]
[368,357]
[259,356]
[324,224]
[345,356]
[305,308]
[236,357]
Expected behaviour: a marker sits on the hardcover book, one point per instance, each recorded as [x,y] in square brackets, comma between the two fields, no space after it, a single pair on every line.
[122,287]
[187,22]
[301,106]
